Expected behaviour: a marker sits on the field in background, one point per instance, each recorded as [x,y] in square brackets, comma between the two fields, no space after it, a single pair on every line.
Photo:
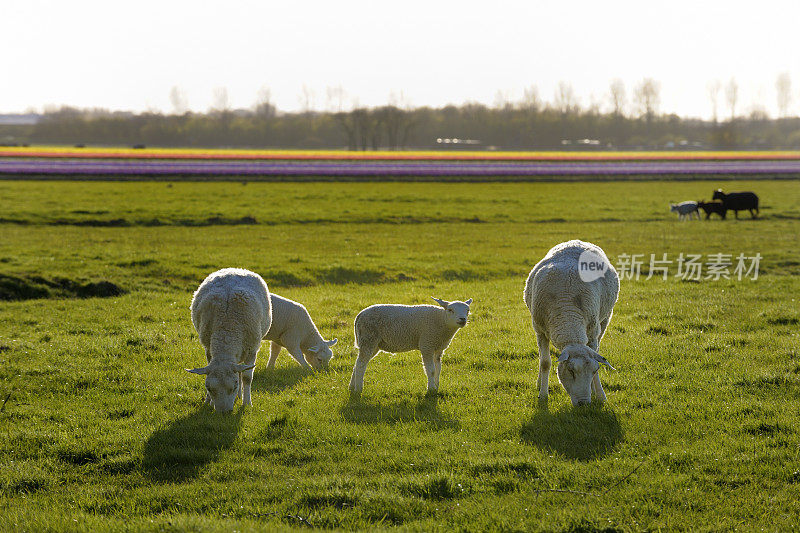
[103,429]
[271,165]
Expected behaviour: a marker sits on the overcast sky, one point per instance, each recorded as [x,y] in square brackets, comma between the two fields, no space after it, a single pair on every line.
[129,55]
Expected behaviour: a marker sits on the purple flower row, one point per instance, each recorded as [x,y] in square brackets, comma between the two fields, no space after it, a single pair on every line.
[349,168]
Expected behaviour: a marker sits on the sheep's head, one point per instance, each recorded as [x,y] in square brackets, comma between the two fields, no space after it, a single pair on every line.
[577,366]
[456,313]
[222,383]
[718,195]
[320,355]
[673,208]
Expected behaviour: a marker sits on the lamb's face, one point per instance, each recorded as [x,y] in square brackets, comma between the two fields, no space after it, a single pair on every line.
[673,208]
[576,368]
[319,356]
[222,383]
[457,313]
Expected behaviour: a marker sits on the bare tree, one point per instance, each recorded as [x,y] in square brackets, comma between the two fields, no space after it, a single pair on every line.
[307,99]
[783,85]
[616,93]
[264,106]
[530,99]
[177,98]
[647,98]
[219,100]
[335,99]
[732,96]
[565,100]
[713,88]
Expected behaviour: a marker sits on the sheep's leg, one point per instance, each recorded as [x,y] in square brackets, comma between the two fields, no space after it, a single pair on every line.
[544,365]
[429,363]
[274,350]
[597,388]
[297,355]
[365,354]
[437,359]
[247,382]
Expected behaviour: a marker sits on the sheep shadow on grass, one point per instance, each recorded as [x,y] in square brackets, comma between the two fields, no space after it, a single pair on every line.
[179,450]
[278,379]
[582,433]
[359,410]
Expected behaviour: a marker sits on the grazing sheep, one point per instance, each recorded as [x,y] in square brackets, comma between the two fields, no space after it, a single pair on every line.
[685,208]
[713,207]
[738,201]
[402,328]
[231,312]
[571,295]
[293,329]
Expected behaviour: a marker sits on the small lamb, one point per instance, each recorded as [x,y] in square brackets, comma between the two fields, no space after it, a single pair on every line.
[293,329]
[231,312]
[571,295]
[685,208]
[402,328]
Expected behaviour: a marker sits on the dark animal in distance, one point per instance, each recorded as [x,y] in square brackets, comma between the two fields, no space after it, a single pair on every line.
[738,201]
[713,207]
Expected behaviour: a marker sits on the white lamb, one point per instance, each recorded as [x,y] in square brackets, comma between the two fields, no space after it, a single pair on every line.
[571,295]
[231,312]
[293,329]
[402,328]
[685,208]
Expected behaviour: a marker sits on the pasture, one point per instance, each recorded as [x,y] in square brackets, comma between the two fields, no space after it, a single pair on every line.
[102,429]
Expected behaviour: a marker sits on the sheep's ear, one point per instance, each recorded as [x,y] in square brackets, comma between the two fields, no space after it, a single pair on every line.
[331,342]
[313,349]
[563,357]
[242,368]
[443,303]
[600,359]
[469,302]
[203,370]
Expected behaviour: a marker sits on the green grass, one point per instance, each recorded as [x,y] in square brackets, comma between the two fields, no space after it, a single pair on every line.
[102,429]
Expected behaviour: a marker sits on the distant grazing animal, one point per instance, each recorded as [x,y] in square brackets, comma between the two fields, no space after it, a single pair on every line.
[572,311]
[231,312]
[293,329]
[402,328]
[738,201]
[713,207]
[685,208]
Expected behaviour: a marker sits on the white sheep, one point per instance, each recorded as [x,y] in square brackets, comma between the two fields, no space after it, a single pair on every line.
[293,329]
[571,295]
[685,208]
[231,312]
[402,328]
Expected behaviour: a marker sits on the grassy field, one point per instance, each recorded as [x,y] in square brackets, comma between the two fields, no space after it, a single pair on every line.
[102,429]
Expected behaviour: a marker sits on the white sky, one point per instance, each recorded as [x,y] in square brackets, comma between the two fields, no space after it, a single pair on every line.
[127,55]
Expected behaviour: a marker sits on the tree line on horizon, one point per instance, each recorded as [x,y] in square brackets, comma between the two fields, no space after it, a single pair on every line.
[528,124]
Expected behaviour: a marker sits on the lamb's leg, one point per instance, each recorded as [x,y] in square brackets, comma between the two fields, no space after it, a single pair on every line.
[544,365]
[247,381]
[437,359]
[365,354]
[597,388]
[297,355]
[274,350]
[429,363]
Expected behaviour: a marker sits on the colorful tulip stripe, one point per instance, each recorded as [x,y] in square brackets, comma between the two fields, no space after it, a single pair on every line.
[283,163]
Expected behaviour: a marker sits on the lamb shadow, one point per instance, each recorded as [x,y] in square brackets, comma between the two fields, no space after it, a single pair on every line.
[178,451]
[278,379]
[426,409]
[582,433]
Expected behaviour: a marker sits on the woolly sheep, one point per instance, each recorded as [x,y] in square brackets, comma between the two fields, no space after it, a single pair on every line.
[685,208]
[573,314]
[231,312]
[738,201]
[293,329]
[402,328]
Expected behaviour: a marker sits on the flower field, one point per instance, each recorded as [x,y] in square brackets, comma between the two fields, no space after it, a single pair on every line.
[127,162]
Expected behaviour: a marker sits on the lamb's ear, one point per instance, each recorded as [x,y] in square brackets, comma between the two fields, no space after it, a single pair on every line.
[331,342]
[242,368]
[563,357]
[469,302]
[203,370]
[443,303]
[600,359]
[313,349]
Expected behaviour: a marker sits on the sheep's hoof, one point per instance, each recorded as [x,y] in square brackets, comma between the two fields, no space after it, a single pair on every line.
[542,402]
